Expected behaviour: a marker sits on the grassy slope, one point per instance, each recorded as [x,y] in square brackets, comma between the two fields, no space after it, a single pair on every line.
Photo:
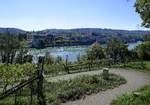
[135,65]
[131,99]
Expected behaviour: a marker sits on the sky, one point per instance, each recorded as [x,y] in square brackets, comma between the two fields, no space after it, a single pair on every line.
[67,14]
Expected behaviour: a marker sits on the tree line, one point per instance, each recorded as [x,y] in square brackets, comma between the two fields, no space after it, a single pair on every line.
[13,48]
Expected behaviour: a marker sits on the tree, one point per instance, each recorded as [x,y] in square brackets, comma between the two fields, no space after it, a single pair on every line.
[95,52]
[49,59]
[147,37]
[41,44]
[143,8]
[21,56]
[143,50]
[116,50]
[9,44]
[14,73]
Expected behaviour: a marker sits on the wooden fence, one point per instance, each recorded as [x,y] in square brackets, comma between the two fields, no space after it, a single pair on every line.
[88,66]
[38,78]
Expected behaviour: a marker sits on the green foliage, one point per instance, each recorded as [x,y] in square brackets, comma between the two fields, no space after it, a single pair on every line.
[131,99]
[21,55]
[76,88]
[147,37]
[54,69]
[14,73]
[95,52]
[134,65]
[53,66]
[132,56]
[143,50]
[21,100]
[116,50]
[9,47]
[143,8]
[41,44]
[59,60]
[49,59]
[62,91]
[134,36]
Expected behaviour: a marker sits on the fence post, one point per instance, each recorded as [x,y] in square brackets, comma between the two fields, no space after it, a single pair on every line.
[90,64]
[15,98]
[40,96]
[31,93]
[66,65]
[105,73]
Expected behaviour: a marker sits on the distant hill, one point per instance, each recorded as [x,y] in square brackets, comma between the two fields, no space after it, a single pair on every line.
[84,36]
[12,30]
[94,30]
[79,36]
[78,30]
[92,34]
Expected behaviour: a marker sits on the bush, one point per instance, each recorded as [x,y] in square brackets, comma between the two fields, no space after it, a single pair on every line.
[14,73]
[117,51]
[143,50]
[95,52]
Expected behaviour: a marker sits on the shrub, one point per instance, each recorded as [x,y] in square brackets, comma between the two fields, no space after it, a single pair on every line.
[143,50]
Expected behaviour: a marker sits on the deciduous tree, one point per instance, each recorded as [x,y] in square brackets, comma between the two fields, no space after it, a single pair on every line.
[143,8]
[116,50]
[95,52]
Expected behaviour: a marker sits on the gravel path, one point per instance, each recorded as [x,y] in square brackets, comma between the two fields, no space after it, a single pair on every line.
[135,80]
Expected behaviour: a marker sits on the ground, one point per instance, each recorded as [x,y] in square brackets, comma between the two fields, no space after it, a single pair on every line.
[135,79]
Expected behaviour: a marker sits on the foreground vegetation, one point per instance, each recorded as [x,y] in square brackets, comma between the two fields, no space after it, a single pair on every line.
[69,90]
[77,88]
[140,97]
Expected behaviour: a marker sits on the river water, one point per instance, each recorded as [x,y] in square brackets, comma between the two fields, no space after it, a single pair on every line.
[67,51]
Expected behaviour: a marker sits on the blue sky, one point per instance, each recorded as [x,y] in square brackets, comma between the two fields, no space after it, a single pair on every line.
[66,14]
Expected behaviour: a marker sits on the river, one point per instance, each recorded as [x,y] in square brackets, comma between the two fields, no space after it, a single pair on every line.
[67,51]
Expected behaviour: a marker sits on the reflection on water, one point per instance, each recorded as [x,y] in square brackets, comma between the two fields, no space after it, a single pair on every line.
[133,45]
[71,51]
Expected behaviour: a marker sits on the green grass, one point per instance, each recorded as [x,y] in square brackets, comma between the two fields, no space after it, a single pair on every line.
[131,99]
[70,90]
[21,100]
[135,65]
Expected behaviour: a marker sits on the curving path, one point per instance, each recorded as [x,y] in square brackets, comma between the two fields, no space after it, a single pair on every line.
[135,79]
